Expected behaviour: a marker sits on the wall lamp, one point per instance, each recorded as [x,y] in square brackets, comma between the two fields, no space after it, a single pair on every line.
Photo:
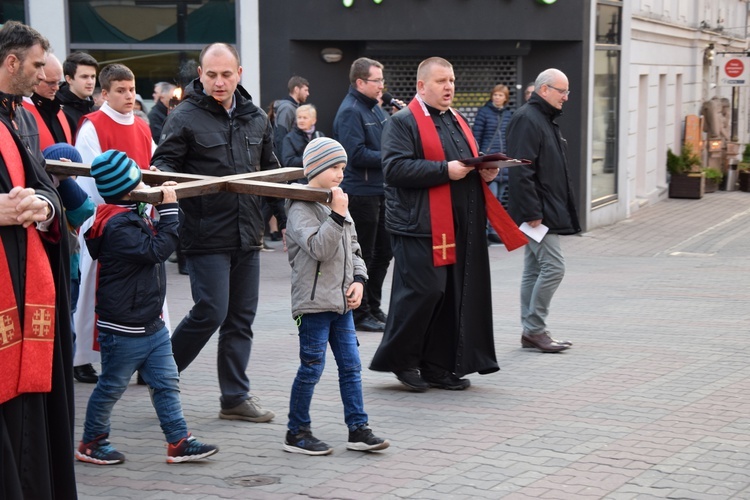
[331,54]
[709,53]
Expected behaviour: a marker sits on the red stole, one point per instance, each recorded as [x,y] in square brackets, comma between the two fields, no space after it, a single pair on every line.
[441,206]
[134,140]
[45,134]
[25,351]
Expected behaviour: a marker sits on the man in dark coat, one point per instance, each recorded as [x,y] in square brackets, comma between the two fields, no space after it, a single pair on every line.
[36,405]
[439,326]
[542,193]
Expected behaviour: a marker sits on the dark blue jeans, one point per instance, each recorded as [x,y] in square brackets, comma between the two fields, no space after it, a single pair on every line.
[368,213]
[121,357]
[225,292]
[316,331]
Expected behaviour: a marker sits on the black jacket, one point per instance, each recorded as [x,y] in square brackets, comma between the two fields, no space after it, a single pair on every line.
[294,145]
[199,137]
[542,190]
[156,118]
[131,251]
[358,126]
[73,106]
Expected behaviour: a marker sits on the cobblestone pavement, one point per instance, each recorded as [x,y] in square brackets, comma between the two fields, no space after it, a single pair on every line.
[653,400]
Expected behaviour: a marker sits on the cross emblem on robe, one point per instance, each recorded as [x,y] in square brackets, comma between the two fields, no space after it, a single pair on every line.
[7,329]
[264,183]
[444,247]
[41,322]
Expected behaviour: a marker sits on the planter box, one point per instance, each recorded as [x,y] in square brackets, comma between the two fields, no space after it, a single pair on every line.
[711,186]
[687,185]
[745,180]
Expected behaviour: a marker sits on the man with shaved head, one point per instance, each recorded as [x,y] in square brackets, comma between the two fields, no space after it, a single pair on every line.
[541,193]
[50,119]
[218,130]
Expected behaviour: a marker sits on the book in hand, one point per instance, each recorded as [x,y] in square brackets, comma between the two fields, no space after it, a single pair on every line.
[494,160]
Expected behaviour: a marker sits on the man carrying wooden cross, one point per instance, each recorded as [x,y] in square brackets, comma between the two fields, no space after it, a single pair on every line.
[218,131]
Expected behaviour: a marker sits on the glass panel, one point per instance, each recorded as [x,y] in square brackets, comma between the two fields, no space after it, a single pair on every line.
[142,21]
[12,10]
[608,24]
[605,123]
[151,67]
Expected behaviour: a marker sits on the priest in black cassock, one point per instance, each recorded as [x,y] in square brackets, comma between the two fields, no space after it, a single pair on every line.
[36,347]
[440,316]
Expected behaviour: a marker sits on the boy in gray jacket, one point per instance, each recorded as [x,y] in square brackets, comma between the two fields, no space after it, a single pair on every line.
[328,277]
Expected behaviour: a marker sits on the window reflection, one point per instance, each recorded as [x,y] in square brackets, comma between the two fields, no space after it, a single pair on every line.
[152,22]
[12,10]
[605,124]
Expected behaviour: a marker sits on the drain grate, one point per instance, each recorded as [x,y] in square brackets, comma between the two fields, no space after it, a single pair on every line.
[250,481]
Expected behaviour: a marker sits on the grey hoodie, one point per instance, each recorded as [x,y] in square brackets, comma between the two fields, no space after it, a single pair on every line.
[324,256]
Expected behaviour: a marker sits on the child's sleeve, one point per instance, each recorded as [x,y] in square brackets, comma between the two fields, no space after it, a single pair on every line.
[319,239]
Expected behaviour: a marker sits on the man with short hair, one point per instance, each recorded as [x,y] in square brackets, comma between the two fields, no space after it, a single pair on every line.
[36,387]
[162,94]
[542,193]
[358,126]
[284,110]
[222,234]
[439,324]
[50,120]
[75,94]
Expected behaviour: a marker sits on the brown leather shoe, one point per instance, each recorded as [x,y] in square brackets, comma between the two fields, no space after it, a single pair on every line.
[542,341]
[529,345]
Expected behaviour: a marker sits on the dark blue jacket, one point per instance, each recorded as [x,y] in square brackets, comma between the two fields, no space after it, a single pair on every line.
[358,126]
[132,281]
[485,128]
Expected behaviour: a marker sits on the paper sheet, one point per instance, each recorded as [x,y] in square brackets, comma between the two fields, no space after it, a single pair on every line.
[535,233]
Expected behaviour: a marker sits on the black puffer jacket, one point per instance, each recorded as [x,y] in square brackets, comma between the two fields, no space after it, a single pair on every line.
[73,106]
[199,137]
[543,189]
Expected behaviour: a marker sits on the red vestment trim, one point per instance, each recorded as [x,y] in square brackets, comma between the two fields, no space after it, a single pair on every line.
[25,352]
[441,206]
[45,134]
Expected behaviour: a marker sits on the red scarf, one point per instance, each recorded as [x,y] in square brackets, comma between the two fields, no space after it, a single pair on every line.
[25,353]
[441,206]
[45,134]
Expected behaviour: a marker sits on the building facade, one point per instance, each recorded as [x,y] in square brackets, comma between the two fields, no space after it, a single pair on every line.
[636,67]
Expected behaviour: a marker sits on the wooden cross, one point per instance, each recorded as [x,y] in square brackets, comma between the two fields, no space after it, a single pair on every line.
[263,183]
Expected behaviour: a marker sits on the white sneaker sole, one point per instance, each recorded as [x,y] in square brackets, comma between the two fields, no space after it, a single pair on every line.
[302,451]
[91,460]
[368,447]
[191,458]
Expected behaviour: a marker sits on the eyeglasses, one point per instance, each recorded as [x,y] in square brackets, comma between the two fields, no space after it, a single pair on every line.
[375,80]
[563,92]
[52,84]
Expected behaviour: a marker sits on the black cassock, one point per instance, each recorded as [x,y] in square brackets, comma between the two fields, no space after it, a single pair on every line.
[442,316]
[36,429]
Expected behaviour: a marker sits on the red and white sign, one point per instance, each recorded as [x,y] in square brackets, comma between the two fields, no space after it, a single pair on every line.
[734,71]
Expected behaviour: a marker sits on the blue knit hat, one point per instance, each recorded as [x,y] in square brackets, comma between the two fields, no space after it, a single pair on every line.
[115,174]
[62,150]
[321,154]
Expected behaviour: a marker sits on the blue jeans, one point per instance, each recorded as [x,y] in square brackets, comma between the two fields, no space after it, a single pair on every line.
[225,291]
[121,357]
[543,270]
[316,331]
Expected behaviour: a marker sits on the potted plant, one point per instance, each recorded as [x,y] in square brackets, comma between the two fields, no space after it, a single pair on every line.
[713,177]
[687,179]
[743,168]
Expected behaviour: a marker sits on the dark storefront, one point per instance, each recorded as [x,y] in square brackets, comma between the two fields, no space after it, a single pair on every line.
[488,42]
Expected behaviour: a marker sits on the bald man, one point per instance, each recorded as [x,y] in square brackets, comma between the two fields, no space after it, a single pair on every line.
[50,119]
[222,234]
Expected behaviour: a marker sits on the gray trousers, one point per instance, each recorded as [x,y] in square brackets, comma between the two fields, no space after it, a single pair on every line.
[543,270]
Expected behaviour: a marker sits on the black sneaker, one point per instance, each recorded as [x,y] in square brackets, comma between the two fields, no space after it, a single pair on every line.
[362,439]
[411,379]
[189,449]
[307,444]
[445,380]
[99,452]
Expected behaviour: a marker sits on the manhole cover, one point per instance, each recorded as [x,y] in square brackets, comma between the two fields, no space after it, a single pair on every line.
[249,481]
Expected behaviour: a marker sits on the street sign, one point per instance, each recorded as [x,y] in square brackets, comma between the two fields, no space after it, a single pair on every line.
[734,71]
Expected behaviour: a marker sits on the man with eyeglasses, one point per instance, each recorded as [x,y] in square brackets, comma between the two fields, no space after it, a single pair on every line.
[358,126]
[50,120]
[542,194]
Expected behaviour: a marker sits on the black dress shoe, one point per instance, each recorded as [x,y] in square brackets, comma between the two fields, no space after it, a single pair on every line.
[369,324]
[85,374]
[528,345]
[411,379]
[380,316]
[445,380]
[542,341]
